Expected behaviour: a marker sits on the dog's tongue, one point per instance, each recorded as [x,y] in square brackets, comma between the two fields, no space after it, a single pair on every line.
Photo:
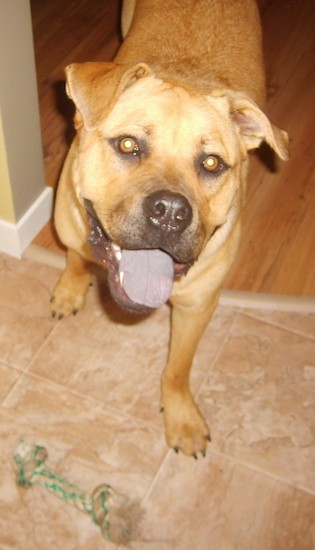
[147,276]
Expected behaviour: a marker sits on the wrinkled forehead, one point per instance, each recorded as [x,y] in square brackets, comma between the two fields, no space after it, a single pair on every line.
[173,119]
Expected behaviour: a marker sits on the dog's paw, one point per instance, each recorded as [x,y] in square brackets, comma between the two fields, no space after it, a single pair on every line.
[67,300]
[186,430]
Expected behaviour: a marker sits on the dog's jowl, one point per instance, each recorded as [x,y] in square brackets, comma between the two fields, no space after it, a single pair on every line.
[155,179]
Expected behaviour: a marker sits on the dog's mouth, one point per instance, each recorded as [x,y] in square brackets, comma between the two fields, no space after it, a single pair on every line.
[139,280]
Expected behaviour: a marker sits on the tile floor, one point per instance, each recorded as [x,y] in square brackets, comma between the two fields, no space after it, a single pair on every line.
[87,388]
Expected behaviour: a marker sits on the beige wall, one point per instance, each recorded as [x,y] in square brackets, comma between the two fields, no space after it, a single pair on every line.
[6,199]
[21,164]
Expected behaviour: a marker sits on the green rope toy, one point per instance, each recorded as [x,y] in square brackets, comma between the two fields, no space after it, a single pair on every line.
[117,516]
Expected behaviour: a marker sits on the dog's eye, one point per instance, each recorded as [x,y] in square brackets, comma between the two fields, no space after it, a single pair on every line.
[128,145]
[213,164]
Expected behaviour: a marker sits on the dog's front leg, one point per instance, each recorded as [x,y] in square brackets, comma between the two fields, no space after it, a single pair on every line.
[186,430]
[70,291]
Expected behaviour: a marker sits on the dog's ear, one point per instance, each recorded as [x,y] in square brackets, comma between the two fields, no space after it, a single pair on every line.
[94,87]
[254,126]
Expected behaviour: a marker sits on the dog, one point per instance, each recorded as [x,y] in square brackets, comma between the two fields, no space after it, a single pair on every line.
[155,179]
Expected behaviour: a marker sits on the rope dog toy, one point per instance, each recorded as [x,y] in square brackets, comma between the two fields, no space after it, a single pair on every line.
[117,515]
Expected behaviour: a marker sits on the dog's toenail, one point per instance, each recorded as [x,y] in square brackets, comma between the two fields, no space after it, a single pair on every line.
[176,449]
[195,456]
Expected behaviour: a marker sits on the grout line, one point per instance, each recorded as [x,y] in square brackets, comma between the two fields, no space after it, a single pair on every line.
[257,470]
[234,298]
[20,376]
[155,478]
[278,324]
[103,407]
[25,371]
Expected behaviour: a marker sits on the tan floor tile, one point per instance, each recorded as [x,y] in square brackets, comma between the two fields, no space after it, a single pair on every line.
[117,359]
[21,335]
[8,377]
[259,400]
[214,504]
[86,445]
[113,364]
[257,392]
[25,320]
[26,286]
[303,323]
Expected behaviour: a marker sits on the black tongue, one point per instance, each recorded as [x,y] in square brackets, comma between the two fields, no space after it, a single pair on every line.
[147,276]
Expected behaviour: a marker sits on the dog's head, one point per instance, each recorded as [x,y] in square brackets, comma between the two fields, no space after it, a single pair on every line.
[160,168]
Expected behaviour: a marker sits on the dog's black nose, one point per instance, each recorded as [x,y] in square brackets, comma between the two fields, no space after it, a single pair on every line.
[168,212]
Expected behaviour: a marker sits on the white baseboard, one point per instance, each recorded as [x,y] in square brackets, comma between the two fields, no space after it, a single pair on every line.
[275,302]
[41,255]
[15,238]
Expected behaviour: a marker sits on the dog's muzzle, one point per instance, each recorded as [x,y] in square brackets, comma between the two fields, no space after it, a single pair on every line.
[143,279]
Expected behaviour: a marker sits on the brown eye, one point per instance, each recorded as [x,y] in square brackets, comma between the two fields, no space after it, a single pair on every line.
[212,164]
[128,146]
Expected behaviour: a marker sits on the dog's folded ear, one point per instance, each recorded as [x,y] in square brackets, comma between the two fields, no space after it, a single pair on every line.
[254,126]
[94,88]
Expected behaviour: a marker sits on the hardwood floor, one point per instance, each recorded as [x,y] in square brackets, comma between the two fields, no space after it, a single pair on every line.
[277,253]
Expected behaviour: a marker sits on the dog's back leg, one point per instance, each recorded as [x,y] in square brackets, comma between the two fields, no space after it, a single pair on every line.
[70,291]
